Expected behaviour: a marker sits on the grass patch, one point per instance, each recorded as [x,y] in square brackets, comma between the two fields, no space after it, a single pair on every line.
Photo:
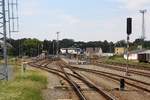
[25,86]
[121,61]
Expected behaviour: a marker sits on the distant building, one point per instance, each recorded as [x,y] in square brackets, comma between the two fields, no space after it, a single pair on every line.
[119,50]
[70,50]
[93,51]
[144,56]
[134,55]
[43,54]
[63,50]
[107,54]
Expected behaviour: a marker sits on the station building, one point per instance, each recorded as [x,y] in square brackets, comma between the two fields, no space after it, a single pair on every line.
[120,50]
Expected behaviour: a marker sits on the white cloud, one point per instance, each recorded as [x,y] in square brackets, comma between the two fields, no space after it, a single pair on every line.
[82,29]
[60,16]
[134,4]
[29,8]
[44,23]
[70,19]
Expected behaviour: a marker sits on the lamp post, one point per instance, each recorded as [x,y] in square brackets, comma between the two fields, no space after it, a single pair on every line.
[143,23]
[143,26]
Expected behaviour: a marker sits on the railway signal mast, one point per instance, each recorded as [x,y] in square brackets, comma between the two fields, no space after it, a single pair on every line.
[57,48]
[129,31]
[7,25]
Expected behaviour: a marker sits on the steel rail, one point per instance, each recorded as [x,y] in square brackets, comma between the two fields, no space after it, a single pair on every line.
[100,90]
[110,75]
[123,69]
[75,86]
[89,84]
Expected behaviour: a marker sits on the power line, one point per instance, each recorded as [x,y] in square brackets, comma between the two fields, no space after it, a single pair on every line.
[3,26]
[6,27]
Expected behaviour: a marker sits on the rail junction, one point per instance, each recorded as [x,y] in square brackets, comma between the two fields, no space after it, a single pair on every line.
[82,79]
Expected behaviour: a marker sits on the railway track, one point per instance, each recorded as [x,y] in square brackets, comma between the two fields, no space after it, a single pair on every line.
[56,72]
[141,67]
[123,69]
[90,84]
[67,76]
[76,86]
[130,81]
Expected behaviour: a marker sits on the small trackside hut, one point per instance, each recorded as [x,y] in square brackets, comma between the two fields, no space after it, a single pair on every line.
[144,56]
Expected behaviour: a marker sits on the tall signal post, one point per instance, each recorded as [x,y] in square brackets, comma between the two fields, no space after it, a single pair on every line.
[7,26]
[53,47]
[57,49]
[143,23]
[129,31]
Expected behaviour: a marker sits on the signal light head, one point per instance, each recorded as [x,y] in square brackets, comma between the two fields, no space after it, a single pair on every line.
[129,26]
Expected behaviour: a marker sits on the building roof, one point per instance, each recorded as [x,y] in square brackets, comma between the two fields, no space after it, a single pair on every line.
[139,51]
[93,49]
[136,51]
[120,47]
[146,51]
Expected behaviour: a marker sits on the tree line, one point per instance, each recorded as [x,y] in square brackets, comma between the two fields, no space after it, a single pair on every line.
[33,47]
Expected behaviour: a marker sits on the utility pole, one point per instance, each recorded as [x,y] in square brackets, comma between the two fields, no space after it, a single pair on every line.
[57,48]
[38,51]
[7,26]
[53,47]
[143,27]
[143,23]
[5,39]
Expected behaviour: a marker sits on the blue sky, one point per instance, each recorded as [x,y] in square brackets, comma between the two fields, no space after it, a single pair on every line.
[81,20]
